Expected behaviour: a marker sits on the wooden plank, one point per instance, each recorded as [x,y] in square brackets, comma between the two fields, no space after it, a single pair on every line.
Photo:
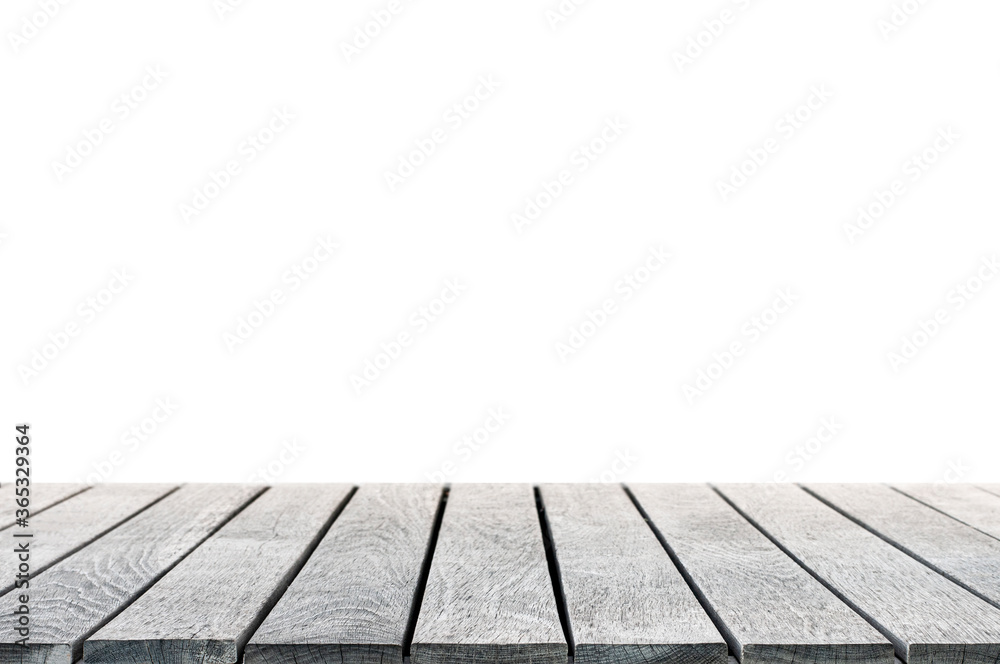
[82,592]
[353,599]
[72,524]
[204,610]
[969,504]
[766,605]
[963,554]
[625,600]
[489,597]
[43,496]
[990,488]
[929,619]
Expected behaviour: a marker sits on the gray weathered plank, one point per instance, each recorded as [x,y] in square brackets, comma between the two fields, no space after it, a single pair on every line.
[769,609]
[204,610]
[963,554]
[625,600]
[43,496]
[929,619]
[352,600]
[489,597]
[969,504]
[80,593]
[990,488]
[73,523]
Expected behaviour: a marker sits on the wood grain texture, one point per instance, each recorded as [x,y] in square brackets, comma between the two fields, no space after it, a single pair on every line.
[204,610]
[43,496]
[990,488]
[929,619]
[79,594]
[963,554]
[352,600]
[625,600]
[969,504]
[73,523]
[769,609]
[489,597]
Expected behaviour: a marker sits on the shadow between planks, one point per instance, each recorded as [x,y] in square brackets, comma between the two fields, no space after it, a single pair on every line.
[495,573]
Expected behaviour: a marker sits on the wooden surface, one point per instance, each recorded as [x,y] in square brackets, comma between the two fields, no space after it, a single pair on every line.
[504,574]
[928,618]
[489,597]
[59,530]
[625,600]
[990,488]
[205,608]
[969,504]
[79,594]
[43,496]
[352,601]
[769,609]
[963,554]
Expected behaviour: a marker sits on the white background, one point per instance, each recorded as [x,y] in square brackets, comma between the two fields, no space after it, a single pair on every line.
[283,402]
